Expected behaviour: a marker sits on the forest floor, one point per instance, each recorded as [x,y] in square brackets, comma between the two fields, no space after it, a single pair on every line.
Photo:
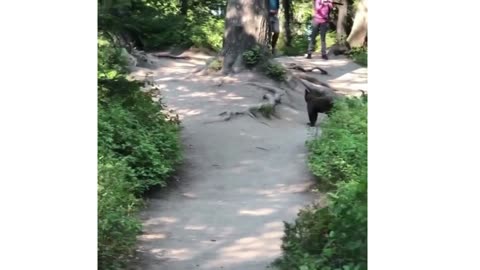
[240,179]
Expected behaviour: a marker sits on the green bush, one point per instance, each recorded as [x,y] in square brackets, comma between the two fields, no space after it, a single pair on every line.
[360,56]
[252,57]
[275,71]
[148,142]
[208,34]
[118,225]
[163,32]
[341,152]
[334,237]
[138,147]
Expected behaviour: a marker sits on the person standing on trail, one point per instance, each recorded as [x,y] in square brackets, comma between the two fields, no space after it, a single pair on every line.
[320,21]
[274,24]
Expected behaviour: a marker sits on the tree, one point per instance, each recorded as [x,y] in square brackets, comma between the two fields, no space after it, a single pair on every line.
[288,15]
[358,35]
[246,25]
[342,20]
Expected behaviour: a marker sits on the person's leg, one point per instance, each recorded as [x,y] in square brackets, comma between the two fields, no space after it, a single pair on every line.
[276,32]
[323,35]
[313,37]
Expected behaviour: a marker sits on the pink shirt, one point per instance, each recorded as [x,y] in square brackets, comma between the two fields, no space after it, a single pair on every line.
[322,10]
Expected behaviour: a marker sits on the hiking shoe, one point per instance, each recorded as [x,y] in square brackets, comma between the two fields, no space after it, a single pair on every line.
[324,57]
[309,56]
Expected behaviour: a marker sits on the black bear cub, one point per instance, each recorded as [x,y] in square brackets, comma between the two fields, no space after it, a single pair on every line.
[317,103]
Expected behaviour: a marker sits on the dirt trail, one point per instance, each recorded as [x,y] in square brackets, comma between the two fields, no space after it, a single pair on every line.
[240,179]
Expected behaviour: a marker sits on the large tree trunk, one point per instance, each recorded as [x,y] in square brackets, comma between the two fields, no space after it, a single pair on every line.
[184,7]
[358,34]
[246,25]
[341,21]
[288,15]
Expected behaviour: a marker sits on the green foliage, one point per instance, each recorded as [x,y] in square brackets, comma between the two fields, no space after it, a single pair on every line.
[330,39]
[117,208]
[302,19]
[252,57]
[341,153]
[275,71]
[158,24]
[360,56]
[110,62]
[298,46]
[334,237]
[138,147]
[133,127]
[208,34]
[302,15]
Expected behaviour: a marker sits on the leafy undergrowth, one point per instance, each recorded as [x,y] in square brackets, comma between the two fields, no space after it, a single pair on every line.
[155,24]
[359,56]
[334,237]
[256,57]
[340,154]
[138,148]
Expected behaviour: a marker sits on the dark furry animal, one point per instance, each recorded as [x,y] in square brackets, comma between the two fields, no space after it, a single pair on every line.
[317,103]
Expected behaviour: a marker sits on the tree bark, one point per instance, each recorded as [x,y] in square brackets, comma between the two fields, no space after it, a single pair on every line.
[288,15]
[246,25]
[357,36]
[341,21]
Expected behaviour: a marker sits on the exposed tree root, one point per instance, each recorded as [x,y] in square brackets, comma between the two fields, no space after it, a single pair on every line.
[306,69]
[272,89]
[339,49]
[311,79]
[213,65]
[265,108]
[313,84]
[167,55]
[296,80]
